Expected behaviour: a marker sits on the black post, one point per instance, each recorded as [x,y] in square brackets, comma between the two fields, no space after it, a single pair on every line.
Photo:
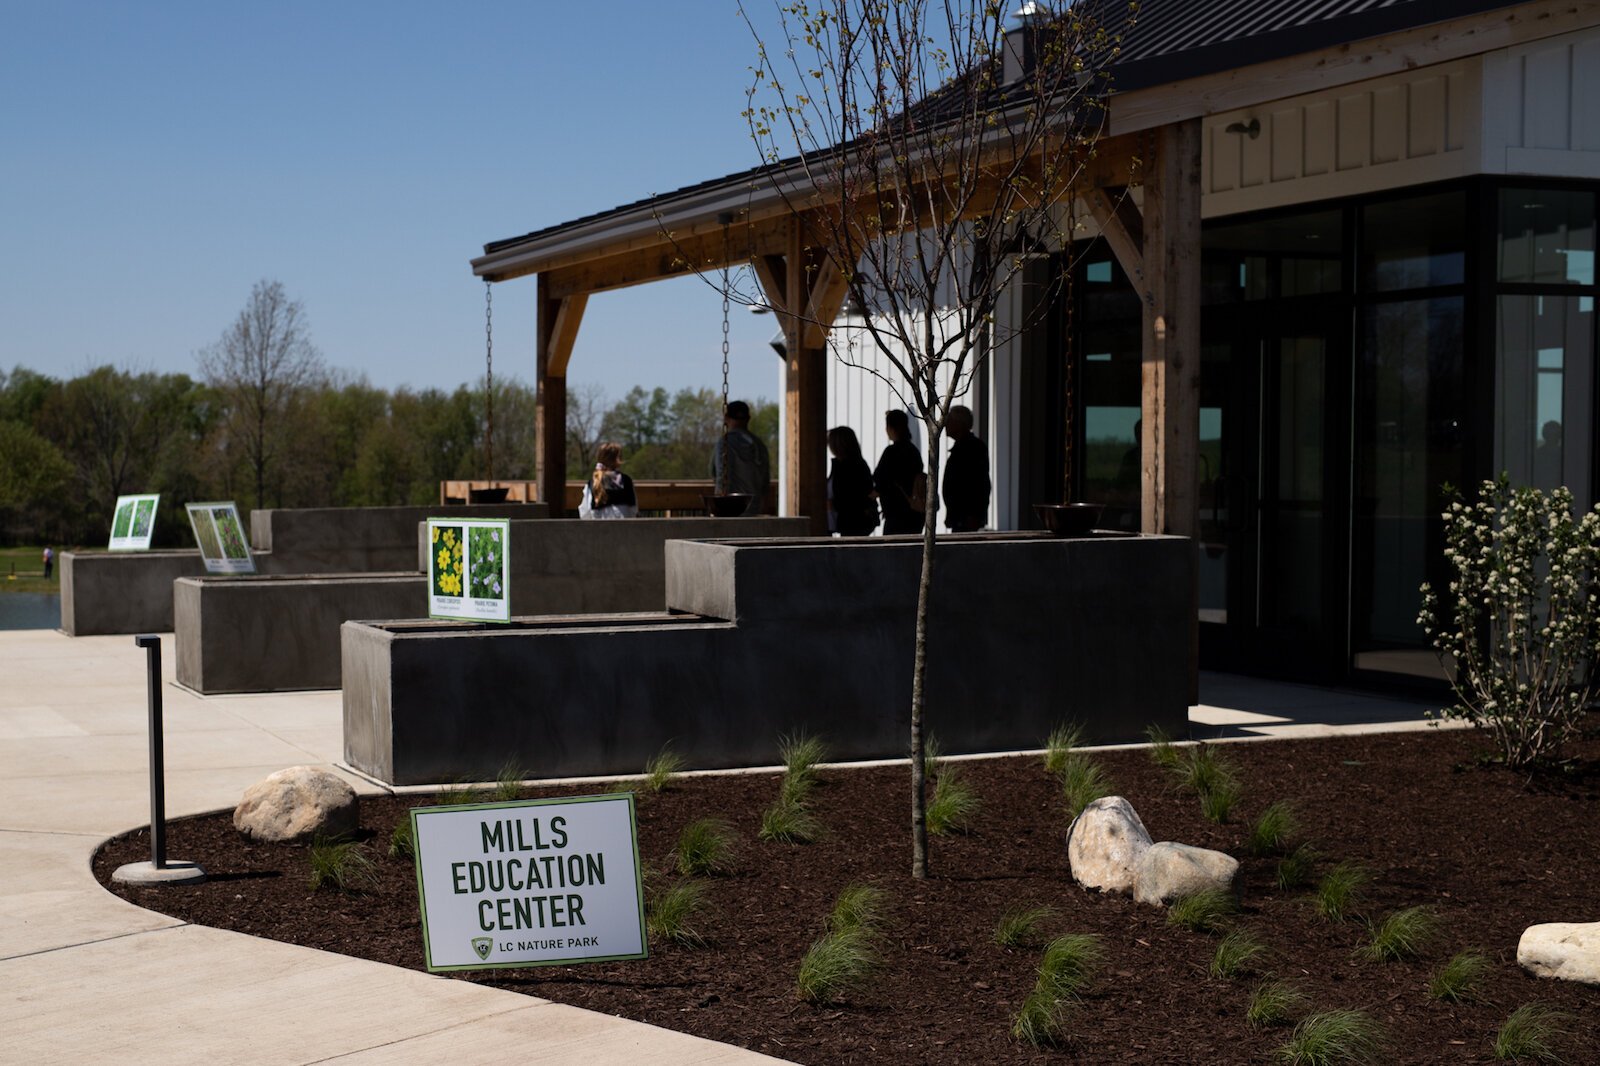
[158,798]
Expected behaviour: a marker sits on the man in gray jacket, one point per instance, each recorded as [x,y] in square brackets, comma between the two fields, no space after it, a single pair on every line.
[749,470]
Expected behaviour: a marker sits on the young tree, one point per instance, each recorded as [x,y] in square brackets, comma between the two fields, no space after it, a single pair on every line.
[935,151]
[260,366]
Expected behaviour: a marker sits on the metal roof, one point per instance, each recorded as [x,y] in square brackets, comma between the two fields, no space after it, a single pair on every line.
[1170,41]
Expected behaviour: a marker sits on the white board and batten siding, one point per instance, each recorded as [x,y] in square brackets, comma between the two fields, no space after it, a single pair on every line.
[1542,107]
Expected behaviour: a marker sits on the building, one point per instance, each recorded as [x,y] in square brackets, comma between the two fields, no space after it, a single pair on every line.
[1395,205]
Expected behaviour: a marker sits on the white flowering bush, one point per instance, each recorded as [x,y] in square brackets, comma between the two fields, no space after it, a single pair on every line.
[1519,627]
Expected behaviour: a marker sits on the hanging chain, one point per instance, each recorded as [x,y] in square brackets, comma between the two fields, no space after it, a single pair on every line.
[488,347]
[722,467]
[1070,412]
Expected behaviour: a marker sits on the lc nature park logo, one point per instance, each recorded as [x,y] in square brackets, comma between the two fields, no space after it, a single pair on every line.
[447,546]
[483,945]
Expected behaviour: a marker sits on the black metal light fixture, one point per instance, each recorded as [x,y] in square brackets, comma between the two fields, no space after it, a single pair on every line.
[1252,129]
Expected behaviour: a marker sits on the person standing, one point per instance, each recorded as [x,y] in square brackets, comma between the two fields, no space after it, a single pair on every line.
[852,507]
[749,471]
[966,475]
[49,561]
[896,477]
[609,492]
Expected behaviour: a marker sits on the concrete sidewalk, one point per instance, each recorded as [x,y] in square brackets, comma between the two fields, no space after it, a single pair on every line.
[89,978]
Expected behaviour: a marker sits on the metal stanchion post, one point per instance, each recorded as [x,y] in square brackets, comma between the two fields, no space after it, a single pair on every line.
[158,870]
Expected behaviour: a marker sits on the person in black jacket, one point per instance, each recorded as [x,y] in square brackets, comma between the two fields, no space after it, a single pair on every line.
[896,476]
[852,504]
[966,475]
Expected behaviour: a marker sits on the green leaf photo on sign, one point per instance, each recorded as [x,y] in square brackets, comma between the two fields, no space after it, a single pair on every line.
[228,530]
[142,517]
[124,519]
[206,533]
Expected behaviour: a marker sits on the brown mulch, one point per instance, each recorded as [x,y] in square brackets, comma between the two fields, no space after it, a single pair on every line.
[1490,852]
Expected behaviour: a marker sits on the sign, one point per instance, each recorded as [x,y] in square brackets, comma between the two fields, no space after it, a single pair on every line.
[221,538]
[133,522]
[530,883]
[469,571]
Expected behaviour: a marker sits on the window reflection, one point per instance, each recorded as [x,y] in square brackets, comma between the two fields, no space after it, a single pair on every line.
[1414,243]
[1545,377]
[1546,236]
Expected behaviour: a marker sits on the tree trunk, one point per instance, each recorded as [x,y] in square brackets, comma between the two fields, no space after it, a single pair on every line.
[919,669]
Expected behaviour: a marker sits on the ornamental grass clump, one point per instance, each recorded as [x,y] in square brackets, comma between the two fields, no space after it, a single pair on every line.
[1274,1002]
[508,783]
[1235,953]
[801,754]
[706,846]
[1068,966]
[1340,891]
[953,804]
[1533,1031]
[670,913]
[1063,739]
[661,769]
[1461,979]
[859,908]
[1211,777]
[1021,926]
[1518,625]
[401,843]
[342,865]
[1402,935]
[844,957]
[1207,911]
[1273,829]
[1294,870]
[789,822]
[1162,751]
[1334,1037]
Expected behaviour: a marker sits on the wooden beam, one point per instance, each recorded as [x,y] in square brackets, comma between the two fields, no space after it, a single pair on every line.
[770,273]
[828,290]
[805,409]
[1348,63]
[1123,229]
[669,255]
[564,332]
[550,418]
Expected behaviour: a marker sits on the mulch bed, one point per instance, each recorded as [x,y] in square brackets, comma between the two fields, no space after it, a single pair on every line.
[1491,853]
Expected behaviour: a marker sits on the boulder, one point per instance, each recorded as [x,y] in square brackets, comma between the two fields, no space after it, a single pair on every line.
[1567,951]
[294,806]
[1105,843]
[1169,871]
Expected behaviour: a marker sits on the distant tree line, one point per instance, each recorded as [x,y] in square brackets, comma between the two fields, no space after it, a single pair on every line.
[268,425]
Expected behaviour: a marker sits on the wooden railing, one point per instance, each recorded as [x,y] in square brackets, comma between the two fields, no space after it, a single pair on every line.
[664,498]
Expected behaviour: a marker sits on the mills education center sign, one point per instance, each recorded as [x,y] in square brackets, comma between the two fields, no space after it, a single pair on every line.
[529,883]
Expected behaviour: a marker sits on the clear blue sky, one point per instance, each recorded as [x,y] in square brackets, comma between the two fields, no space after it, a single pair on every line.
[158,158]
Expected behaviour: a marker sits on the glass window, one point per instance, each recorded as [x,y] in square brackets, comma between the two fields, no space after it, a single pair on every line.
[1414,243]
[1544,382]
[1291,255]
[1546,236]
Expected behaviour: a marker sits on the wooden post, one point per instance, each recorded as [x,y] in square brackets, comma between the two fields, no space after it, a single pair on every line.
[558,321]
[1170,394]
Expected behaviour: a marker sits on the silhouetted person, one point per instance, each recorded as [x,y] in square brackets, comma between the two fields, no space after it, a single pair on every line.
[749,470]
[1547,457]
[966,475]
[896,476]
[852,504]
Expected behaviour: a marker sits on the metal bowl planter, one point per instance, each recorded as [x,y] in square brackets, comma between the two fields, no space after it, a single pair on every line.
[1068,519]
[728,505]
[491,495]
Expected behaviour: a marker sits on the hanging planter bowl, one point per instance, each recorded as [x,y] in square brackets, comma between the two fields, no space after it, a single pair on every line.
[495,495]
[1068,519]
[729,505]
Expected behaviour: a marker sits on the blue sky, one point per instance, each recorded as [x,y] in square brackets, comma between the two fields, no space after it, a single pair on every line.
[158,158]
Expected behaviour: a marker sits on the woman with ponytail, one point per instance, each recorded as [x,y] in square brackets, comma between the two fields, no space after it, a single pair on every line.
[609,492]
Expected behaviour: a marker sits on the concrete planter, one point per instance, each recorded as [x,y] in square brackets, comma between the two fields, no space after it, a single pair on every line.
[329,540]
[123,592]
[774,637]
[279,633]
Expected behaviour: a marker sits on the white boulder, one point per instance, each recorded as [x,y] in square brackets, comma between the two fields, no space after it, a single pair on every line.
[1105,843]
[1567,951]
[1169,871]
[295,805]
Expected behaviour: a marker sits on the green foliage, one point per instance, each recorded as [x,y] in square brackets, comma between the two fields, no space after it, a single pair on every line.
[1082,782]
[1042,1021]
[1459,980]
[800,754]
[670,913]
[953,805]
[1022,925]
[462,793]
[1526,575]
[1333,1037]
[859,908]
[661,768]
[1272,831]
[1533,1031]
[1070,963]
[1294,870]
[836,964]
[1207,911]
[1402,935]
[1235,953]
[401,844]
[1162,752]
[1063,740]
[706,846]
[789,822]
[1340,891]
[1211,776]
[342,865]
[1216,803]
[508,783]
[1274,1002]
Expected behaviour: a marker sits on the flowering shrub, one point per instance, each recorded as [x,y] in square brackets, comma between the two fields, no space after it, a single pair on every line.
[447,552]
[487,551]
[1521,622]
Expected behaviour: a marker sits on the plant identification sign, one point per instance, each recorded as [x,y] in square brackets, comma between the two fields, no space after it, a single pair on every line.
[133,522]
[221,538]
[529,883]
[469,569]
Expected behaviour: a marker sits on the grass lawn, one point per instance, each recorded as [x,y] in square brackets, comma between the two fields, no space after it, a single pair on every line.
[27,563]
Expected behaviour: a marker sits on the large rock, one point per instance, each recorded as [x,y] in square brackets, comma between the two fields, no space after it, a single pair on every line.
[1568,951]
[295,805]
[1105,844]
[1169,871]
